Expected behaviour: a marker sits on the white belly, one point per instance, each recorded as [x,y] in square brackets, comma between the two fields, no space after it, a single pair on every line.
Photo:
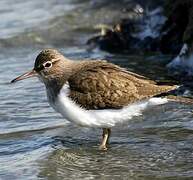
[99,118]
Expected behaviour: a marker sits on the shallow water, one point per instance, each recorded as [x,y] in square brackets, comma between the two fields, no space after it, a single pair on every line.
[36,143]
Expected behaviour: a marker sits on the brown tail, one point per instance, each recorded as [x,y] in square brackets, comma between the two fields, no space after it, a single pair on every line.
[180,99]
[165,89]
[160,90]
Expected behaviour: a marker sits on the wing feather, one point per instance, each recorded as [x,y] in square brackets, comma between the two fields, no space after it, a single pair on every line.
[101,85]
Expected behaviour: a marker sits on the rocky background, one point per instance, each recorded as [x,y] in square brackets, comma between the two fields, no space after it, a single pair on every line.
[173,32]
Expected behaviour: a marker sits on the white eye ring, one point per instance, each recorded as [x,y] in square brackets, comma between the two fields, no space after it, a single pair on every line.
[47,64]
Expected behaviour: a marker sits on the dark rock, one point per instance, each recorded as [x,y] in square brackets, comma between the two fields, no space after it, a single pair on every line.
[149,44]
[117,39]
[177,30]
[120,39]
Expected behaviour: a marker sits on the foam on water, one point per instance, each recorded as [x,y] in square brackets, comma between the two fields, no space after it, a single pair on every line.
[183,62]
[152,23]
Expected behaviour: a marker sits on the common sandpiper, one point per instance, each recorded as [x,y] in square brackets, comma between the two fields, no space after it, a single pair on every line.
[94,93]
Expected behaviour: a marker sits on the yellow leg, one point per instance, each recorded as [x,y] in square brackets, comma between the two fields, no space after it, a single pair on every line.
[105,139]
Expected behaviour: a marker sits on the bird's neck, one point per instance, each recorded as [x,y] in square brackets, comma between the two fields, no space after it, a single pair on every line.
[53,88]
[60,77]
[62,74]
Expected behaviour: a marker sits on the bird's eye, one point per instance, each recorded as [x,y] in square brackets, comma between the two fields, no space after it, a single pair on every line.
[48,64]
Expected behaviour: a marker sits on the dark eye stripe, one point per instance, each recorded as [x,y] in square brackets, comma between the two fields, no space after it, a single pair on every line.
[39,68]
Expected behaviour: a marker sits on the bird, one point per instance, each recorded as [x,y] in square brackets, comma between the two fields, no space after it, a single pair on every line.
[94,93]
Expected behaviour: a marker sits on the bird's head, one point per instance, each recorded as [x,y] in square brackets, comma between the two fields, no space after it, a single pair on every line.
[48,65]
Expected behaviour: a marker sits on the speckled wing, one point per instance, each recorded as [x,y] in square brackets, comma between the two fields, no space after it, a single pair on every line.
[101,85]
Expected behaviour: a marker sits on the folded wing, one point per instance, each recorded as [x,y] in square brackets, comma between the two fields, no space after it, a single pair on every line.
[101,85]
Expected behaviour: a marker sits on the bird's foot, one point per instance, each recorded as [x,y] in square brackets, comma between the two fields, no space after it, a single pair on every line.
[102,148]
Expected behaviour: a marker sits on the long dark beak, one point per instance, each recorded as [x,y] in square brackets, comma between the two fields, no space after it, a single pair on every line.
[26,75]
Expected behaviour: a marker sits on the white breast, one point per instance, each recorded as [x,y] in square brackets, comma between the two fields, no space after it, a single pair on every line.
[99,118]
